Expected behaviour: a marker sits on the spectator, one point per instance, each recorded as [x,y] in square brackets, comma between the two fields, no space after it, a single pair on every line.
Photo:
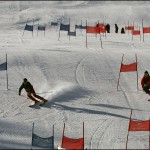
[107,27]
[122,31]
[116,28]
[145,82]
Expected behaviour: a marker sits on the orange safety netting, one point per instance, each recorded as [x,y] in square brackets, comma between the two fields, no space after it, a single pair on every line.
[91,29]
[128,68]
[72,144]
[129,28]
[139,125]
[135,32]
[146,29]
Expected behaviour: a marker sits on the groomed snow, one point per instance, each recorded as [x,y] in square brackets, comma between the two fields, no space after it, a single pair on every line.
[79,83]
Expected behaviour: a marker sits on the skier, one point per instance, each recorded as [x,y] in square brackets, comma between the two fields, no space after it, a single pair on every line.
[30,91]
[116,28]
[145,82]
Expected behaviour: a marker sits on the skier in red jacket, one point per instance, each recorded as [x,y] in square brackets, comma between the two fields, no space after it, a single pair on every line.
[30,91]
[145,82]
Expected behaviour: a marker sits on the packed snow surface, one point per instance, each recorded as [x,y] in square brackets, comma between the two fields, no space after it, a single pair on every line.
[79,83]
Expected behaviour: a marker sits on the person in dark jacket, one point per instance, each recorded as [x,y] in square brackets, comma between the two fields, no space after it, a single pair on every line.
[30,91]
[107,27]
[122,31]
[145,82]
[116,28]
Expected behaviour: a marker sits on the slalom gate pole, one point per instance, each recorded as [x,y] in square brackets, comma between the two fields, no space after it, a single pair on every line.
[50,25]
[53,136]
[128,26]
[83,135]
[120,72]
[44,31]
[128,130]
[76,32]
[86,34]
[6,72]
[63,135]
[33,26]
[69,29]
[149,133]
[136,70]
[140,35]
[59,31]
[101,40]
[75,25]
[96,33]
[24,28]
[81,27]
[32,135]
[142,30]
[38,29]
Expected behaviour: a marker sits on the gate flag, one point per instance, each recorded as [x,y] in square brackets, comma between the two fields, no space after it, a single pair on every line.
[78,26]
[83,27]
[71,33]
[28,28]
[128,68]
[38,141]
[42,28]
[129,28]
[135,32]
[139,125]
[102,30]
[94,30]
[42,142]
[54,23]
[146,29]
[3,66]
[100,25]
[65,27]
[71,143]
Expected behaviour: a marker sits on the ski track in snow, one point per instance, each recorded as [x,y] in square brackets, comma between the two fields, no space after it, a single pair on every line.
[77,70]
[99,134]
[105,132]
[95,133]
[80,72]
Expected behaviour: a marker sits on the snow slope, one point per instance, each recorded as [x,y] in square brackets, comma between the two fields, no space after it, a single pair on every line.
[79,83]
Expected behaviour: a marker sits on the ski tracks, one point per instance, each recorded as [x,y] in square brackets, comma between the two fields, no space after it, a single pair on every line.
[91,77]
[85,74]
[80,66]
[14,110]
[99,134]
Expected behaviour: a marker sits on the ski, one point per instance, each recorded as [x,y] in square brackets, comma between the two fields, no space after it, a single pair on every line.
[41,104]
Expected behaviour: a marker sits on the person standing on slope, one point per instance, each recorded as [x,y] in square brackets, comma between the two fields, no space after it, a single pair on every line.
[30,91]
[122,31]
[145,82]
[107,27]
[116,28]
